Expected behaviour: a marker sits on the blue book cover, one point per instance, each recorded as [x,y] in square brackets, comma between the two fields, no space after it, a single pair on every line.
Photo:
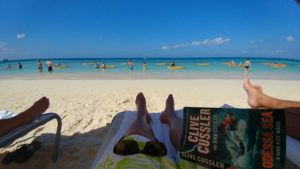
[231,138]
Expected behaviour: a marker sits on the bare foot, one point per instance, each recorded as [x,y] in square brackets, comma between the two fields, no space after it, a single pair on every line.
[141,125]
[141,107]
[169,111]
[36,109]
[258,88]
[27,116]
[254,93]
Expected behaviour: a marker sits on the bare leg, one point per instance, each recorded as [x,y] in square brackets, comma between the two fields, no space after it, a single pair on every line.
[256,98]
[169,117]
[39,107]
[141,125]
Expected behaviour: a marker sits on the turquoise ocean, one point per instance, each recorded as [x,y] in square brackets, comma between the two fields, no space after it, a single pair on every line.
[157,68]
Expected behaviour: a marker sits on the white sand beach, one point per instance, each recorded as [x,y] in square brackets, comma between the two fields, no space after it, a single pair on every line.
[86,106]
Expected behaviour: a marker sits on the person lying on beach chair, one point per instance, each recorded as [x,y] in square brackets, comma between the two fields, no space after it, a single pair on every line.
[258,99]
[16,126]
[140,141]
[39,107]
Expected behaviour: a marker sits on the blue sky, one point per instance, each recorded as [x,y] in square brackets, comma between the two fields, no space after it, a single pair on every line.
[139,28]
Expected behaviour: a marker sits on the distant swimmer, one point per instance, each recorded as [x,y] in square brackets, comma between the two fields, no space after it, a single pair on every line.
[20,66]
[232,63]
[144,66]
[8,67]
[49,65]
[247,65]
[39,65]
[58,64]
[130,64]
[278,65]
[241,65]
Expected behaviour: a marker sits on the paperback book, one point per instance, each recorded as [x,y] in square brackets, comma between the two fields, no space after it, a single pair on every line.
[231,138]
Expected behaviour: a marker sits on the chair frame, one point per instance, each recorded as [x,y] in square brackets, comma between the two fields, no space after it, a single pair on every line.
[24,129]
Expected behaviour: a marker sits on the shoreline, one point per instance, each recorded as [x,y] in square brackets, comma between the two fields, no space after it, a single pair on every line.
[139,75]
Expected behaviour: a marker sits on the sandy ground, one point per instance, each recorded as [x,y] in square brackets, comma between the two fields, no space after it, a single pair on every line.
[86,106]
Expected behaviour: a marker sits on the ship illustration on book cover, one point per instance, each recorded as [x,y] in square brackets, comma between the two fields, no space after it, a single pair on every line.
[233,138]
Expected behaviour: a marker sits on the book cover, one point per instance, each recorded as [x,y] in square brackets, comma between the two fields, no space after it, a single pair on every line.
[231,138]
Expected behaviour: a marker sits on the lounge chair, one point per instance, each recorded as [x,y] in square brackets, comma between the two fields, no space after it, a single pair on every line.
[24,129]
[120,124]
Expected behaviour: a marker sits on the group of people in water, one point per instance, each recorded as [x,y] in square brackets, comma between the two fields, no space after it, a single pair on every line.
[39,66]
[19,66]
[48,64]
[246,65]
[130,65]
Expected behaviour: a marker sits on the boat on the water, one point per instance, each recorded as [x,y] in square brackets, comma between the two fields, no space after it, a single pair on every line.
[175,67]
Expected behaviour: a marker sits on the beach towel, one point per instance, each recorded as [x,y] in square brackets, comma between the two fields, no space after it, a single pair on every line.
[161,131]
[4,114]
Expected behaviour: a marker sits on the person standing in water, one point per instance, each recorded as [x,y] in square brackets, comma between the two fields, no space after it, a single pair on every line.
[49,65]
[97,66]
[247,65]
[130,64]
[103,66]
[39,65]
[144,66]
[8,67]
[20,66]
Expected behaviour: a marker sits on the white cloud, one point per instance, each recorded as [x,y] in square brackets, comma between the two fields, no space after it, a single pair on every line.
[260,51]
[290,38]
[196,43]
[2,44]
[270,52]
[219,41]
[183,45]
[216,41]
[165,47]
[3,48]
[21,36]
[279,51]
